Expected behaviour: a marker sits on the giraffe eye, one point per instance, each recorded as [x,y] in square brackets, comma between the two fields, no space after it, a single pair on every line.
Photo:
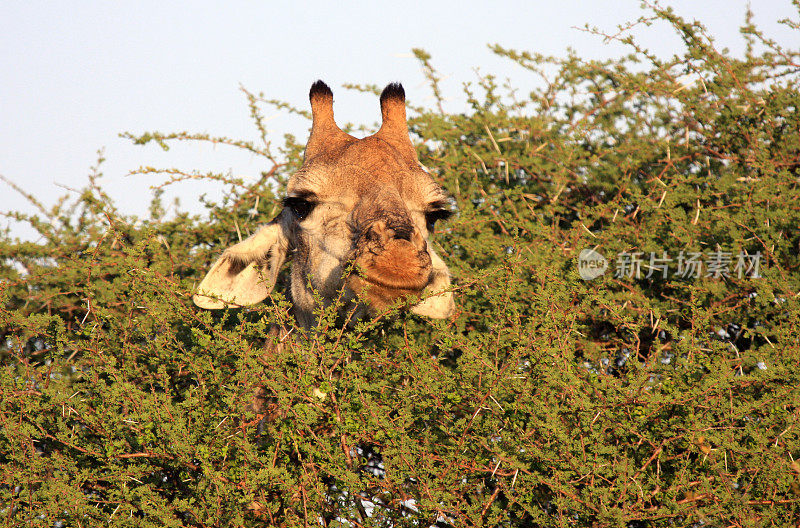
[436,214]
[300,207]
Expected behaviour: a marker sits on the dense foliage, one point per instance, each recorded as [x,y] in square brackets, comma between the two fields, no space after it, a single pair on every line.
[657,394]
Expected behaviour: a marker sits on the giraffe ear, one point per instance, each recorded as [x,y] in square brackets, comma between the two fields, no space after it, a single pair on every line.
[246,272]
[438,303]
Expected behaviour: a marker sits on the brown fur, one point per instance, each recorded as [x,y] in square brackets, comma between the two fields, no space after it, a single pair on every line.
[354,202]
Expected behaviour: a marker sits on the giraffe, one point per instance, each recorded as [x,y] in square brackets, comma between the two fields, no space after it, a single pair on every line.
[356,222]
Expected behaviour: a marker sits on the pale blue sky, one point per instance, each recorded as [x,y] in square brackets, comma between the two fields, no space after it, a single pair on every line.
[74,74]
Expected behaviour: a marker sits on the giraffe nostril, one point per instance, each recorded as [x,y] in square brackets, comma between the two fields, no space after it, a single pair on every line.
[403,232]
[382,232]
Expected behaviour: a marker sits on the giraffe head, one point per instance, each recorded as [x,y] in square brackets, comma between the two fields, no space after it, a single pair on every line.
[356,222]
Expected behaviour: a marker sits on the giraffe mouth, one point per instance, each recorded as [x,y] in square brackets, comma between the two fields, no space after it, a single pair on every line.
[379,294]
[392,282]
[403,288]
[397,272]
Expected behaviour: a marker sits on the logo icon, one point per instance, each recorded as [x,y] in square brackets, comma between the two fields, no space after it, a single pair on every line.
[591,264]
